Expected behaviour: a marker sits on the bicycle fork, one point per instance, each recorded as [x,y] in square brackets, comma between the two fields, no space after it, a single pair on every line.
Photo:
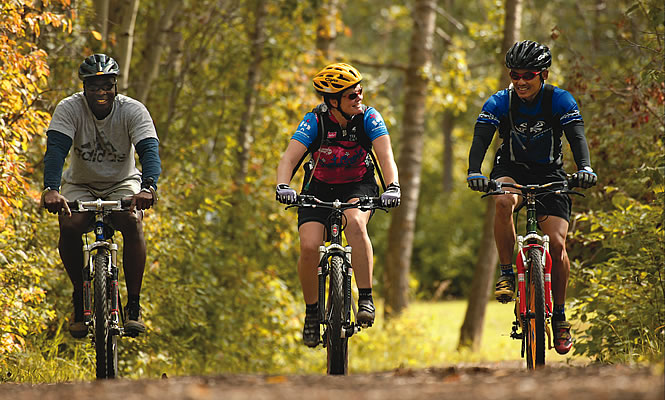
[523,316]
[112,273]
[323,271]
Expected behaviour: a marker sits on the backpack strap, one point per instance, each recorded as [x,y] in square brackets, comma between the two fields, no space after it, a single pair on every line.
[316,144]
[548,94]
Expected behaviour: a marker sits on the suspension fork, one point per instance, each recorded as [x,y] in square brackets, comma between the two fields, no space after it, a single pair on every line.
[114,290]
[87,295]
[521,273]
[347,284]
[322,272]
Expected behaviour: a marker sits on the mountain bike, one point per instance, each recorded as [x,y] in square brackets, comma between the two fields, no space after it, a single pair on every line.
[102,308]
[533,304]
[335,270]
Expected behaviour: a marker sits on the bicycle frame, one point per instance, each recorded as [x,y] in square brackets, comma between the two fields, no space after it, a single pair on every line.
[100,266]
[533,310]
[533,239]
[325,254]
[336,269]
[89,250]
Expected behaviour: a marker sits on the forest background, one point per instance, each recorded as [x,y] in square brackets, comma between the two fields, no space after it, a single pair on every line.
[227,82]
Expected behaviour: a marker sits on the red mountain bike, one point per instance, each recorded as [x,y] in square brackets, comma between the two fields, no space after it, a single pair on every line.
[533,307]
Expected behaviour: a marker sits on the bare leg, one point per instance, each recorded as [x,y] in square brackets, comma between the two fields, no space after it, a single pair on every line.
[70,245]
[134,250]
[311,237]
[504,229]
[362,254]
[557,228]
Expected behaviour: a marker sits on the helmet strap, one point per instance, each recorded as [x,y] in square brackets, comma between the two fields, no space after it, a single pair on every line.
[337,97]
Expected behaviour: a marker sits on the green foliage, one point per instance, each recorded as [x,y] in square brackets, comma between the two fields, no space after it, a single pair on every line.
[623,296]
[618,245]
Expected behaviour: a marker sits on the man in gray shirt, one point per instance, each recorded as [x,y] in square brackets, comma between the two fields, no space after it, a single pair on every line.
[104,129]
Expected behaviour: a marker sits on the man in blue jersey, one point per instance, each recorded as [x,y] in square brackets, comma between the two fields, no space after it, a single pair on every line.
[103,129]
[339,133]
[531,118]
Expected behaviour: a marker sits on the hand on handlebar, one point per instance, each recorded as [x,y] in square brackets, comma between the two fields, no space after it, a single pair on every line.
[55,203]
[141,201]
[285,194]
[478,182]
[391,197]
[586,178]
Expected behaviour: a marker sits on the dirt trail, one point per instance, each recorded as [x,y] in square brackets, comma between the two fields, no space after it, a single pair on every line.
[478,381]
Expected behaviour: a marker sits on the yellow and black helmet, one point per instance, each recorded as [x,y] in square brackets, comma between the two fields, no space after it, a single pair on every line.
[336,78]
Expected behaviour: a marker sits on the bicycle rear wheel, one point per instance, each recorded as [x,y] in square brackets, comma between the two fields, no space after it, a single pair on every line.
[102,336]
[337,346]
[535,326]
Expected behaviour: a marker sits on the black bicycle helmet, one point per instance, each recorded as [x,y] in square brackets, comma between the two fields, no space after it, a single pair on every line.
[98,65]
[528,54]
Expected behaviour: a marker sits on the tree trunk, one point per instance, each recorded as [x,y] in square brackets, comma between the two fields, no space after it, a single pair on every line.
[123,51]
[447,125]
[402,226]
[472,329]
[245,136]
[326,31]
[155,39]
[102,20]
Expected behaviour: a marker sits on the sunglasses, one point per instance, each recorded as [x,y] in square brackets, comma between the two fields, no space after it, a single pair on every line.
[355,95]
[104,86]
[527,76]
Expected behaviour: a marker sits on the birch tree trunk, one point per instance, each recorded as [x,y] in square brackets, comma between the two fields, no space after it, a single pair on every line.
[156,34]
[245,136]
[123,51]
[472,329]
[402,226]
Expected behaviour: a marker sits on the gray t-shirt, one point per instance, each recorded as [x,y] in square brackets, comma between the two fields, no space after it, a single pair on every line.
[102,150]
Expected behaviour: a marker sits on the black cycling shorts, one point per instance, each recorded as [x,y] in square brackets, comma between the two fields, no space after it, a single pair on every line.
[558,205]
[331,192]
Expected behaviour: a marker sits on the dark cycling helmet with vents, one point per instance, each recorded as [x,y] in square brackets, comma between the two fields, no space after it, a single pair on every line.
[98,65]
[528,54]
[336,78]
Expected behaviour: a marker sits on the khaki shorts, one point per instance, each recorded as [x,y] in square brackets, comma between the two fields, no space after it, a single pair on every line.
[126,188]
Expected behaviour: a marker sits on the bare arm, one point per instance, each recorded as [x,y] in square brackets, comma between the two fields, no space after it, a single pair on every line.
[290,158]
[384,154]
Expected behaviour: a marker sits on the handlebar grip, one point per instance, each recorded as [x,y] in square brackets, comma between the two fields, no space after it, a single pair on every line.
[492,186]
[573,181]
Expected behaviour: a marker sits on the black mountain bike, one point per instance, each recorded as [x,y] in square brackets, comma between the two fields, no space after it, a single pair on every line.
[533,306]
[335,269]
[102,307]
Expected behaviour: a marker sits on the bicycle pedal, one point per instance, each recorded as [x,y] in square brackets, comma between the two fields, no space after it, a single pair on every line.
[131,334]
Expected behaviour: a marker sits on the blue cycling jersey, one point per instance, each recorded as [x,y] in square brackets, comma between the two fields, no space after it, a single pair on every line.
[532,138]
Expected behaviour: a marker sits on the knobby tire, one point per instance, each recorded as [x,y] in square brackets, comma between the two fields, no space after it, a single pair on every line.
[337,347]
[535,326]
[103,338]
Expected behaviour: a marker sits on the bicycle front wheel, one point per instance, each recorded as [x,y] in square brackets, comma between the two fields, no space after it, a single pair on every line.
[337,346]
[102,336]
[535,326]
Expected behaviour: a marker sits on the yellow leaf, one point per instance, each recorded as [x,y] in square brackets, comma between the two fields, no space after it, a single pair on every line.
[97,35]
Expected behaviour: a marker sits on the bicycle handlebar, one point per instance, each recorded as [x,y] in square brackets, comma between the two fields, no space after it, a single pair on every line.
[364,203]
[558,187]
[100,205]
